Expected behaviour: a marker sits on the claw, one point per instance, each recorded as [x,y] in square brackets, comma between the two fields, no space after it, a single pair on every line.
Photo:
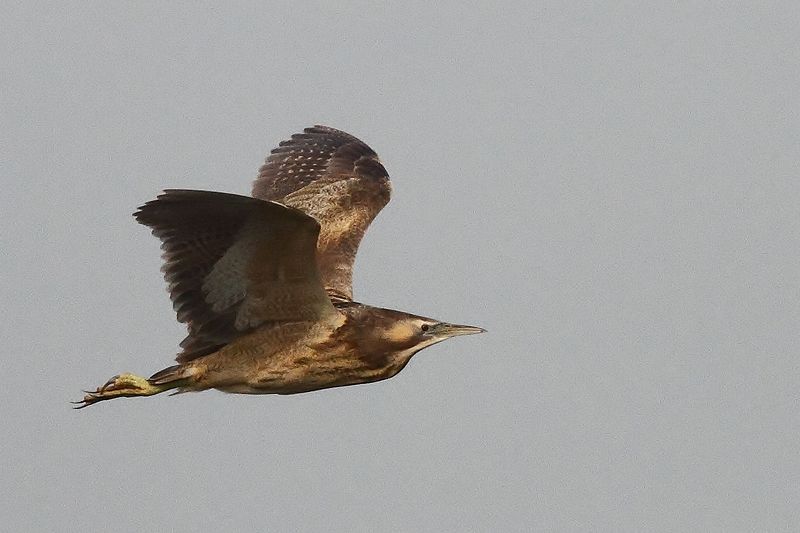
[108,384]
[88,400]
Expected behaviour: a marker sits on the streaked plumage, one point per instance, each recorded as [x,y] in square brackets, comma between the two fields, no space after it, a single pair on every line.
[264,284]
[337,179]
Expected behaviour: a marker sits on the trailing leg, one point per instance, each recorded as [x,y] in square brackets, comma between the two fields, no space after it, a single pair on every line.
[130,385]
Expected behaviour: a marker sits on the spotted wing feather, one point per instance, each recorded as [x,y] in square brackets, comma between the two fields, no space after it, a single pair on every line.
[337,179]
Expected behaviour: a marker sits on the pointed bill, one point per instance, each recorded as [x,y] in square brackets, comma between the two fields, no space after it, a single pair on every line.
[454,330]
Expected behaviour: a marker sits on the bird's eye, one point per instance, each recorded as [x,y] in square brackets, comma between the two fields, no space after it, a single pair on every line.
[425,327]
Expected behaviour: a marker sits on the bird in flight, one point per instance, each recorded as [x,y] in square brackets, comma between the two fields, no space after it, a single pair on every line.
[264,283]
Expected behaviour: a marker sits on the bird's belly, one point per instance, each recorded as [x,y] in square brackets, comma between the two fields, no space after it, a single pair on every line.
[305,374]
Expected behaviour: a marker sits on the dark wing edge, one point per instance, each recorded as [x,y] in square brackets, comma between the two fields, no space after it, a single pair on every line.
[233,263]
[337,179]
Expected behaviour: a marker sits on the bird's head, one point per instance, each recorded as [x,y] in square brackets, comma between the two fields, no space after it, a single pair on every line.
[397,336]
[415,332]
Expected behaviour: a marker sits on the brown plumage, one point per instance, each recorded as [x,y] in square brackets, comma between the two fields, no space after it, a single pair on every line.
[337,179]
[264,284]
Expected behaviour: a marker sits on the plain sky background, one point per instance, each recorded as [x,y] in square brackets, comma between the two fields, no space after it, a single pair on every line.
[610,188]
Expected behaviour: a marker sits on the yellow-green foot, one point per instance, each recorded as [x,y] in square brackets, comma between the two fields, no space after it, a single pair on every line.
[123,385]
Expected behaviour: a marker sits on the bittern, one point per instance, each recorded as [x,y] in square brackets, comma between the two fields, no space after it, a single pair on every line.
[264,283]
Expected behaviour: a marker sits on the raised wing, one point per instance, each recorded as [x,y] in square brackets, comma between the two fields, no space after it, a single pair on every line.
[337,179]
[233,263]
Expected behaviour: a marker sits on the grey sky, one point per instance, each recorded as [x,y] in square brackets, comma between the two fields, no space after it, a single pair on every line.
[611,190]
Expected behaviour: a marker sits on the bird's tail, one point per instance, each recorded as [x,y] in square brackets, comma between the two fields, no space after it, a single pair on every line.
[175,375]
